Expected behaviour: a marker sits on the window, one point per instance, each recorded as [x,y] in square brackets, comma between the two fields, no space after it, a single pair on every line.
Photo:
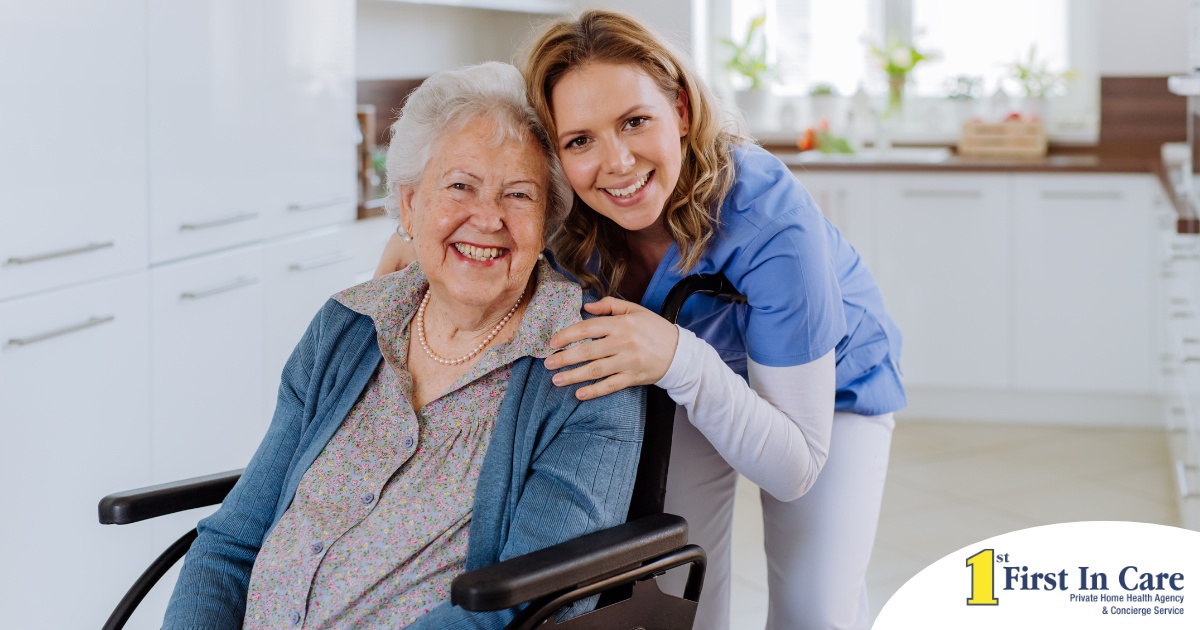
[981,39]
[812,42]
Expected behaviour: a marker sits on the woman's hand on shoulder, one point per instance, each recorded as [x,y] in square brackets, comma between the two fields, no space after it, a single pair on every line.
[397,255]
[629,346]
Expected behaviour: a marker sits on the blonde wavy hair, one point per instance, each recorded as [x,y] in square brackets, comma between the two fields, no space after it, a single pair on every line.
[692,213]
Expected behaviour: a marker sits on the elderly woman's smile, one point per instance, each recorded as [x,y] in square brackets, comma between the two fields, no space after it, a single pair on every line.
[477,217]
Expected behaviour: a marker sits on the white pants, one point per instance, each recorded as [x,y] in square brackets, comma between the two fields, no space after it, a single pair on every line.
[818,546]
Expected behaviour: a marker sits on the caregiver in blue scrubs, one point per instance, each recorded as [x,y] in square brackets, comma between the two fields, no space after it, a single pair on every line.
[795,389]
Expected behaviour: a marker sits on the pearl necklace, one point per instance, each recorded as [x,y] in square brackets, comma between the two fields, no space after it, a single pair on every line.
[466,357]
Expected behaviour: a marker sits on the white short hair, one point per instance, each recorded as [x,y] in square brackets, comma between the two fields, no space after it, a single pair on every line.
[445,103]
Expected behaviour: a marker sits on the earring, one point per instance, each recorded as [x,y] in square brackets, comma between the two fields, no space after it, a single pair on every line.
[402,234]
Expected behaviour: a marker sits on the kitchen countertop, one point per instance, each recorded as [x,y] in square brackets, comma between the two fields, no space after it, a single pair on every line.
[1068,160]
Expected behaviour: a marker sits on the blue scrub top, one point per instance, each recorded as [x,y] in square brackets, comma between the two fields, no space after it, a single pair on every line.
[807,290]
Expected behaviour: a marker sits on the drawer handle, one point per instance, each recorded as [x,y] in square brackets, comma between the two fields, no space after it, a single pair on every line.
[1088,195]
[242,281]
[323,261]
[941,194]
[237,218]
[90,247]
[1181,480]
[321,203]
[92,321]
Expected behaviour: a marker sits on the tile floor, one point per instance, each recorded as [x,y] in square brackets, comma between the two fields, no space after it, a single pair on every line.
[952,484]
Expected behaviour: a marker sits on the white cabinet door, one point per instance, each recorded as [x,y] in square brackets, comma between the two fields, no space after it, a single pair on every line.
[944,267]
[72,142]
[74,399]
[208,107]
[301,274]
[1083,296]
[207,352]
[308,162]
[848,201]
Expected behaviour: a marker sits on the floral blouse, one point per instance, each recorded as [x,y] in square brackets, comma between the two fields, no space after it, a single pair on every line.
[378,527]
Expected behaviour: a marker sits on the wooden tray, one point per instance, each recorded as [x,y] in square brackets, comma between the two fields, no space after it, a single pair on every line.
[1011,138]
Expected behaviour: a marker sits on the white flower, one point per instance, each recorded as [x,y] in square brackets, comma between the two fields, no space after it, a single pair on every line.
[901,57]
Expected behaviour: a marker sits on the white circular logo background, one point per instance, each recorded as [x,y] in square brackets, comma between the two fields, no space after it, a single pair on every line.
[1100,574]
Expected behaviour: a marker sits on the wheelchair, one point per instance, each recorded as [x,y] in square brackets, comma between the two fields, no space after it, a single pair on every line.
[619,564]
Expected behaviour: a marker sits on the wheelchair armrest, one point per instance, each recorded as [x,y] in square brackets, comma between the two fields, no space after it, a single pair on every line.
[131,506]
[574,562]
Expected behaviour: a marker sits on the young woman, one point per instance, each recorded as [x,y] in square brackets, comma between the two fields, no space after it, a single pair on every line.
[801,380]
[663,190]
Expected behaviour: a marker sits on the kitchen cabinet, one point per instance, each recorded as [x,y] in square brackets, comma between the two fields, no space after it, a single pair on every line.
[848,201]
[1026,295]
[208,97]
[73,164]
[75,403]
[207,352]
[308,159]
[1082,279]
[251,121]
[301,274]
[1181,368]
[944,264]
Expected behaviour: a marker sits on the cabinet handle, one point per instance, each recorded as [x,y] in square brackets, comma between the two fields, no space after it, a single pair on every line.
[321,203]
[83,249]
[941,194]
[242,281]
[1181,480]
[323,261]
[1084,195]
[92,321]
[237,218]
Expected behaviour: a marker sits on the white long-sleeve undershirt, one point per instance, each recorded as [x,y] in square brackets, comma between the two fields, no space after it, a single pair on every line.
[774,430]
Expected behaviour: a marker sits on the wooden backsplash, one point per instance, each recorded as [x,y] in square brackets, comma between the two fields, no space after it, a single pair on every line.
[1138,114]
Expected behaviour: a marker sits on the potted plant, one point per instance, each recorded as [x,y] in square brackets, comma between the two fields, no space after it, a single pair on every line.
[962,90]
[897,60]
[748,60]
[823,98]
[1038,82]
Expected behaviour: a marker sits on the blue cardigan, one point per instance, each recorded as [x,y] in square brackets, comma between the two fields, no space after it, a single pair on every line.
[555,469]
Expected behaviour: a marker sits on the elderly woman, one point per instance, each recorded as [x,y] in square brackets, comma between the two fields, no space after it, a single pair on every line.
[418,433]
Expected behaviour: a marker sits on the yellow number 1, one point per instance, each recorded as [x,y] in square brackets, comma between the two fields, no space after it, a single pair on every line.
[983,591]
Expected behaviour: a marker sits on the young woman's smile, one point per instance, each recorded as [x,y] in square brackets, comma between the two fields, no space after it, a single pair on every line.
[619,141]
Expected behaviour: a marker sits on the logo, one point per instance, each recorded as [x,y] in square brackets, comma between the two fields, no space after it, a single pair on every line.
[1090,574]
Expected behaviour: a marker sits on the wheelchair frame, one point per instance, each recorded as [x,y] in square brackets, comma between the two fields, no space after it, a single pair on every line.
[618,563]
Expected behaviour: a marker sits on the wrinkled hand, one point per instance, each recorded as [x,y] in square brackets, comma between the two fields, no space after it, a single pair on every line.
[396,255]
[632,346]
